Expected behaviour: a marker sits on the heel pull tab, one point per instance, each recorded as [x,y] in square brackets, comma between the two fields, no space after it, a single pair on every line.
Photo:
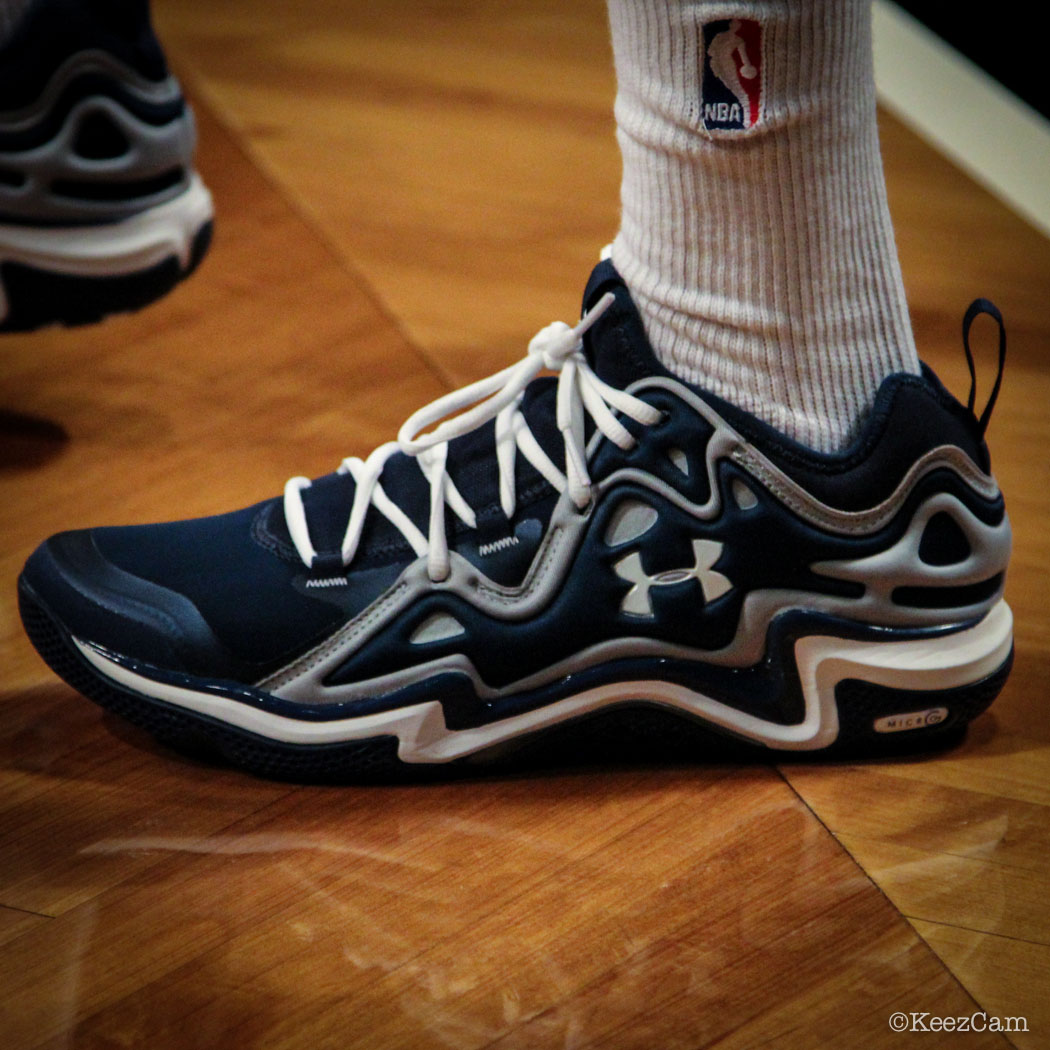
[976,308]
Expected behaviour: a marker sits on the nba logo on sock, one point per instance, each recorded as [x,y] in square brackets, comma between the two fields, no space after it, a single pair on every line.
[732,82]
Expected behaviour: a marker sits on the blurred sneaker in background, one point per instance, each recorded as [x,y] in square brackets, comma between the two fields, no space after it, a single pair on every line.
[100,208]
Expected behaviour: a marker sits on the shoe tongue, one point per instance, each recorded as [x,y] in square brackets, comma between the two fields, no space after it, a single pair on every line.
[617,347]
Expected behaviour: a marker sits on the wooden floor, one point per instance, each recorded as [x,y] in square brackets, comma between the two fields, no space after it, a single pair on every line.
[406,193]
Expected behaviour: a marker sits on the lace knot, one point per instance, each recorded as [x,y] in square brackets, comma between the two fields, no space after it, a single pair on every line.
[555,344]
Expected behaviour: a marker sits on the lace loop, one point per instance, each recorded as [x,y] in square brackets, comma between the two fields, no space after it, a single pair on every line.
[580,392]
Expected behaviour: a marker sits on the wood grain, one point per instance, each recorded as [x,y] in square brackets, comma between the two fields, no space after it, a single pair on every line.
[406,193]
[1010,978]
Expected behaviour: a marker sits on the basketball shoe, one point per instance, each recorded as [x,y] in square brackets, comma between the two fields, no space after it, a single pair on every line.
[100,208]
[537,549]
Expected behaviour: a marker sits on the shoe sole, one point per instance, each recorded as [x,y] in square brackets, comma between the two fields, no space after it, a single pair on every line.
[74,275]
[861,699]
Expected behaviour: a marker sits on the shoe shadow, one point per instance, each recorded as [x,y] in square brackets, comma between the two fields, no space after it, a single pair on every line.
[27,442]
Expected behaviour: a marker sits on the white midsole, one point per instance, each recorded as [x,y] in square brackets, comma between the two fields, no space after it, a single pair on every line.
[823,661]
[114,249]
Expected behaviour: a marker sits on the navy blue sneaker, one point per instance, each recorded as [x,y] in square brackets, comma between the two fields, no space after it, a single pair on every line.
[604,540]
[100,208]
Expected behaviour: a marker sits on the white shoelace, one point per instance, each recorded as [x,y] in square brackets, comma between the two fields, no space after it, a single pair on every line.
[557,348]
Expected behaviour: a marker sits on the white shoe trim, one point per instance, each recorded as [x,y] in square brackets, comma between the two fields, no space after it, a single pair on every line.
[823,662]
[112,249]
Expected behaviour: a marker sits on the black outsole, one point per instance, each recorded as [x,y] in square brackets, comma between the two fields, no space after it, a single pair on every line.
[198,735]
[861,703]
[37,297]
[632,732]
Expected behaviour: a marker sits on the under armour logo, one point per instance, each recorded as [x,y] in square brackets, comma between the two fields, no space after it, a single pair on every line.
[637,603]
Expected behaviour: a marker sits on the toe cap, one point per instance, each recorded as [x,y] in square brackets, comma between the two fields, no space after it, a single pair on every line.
[97,601]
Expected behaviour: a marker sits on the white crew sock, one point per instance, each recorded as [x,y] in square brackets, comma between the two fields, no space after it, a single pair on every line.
[762,258]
